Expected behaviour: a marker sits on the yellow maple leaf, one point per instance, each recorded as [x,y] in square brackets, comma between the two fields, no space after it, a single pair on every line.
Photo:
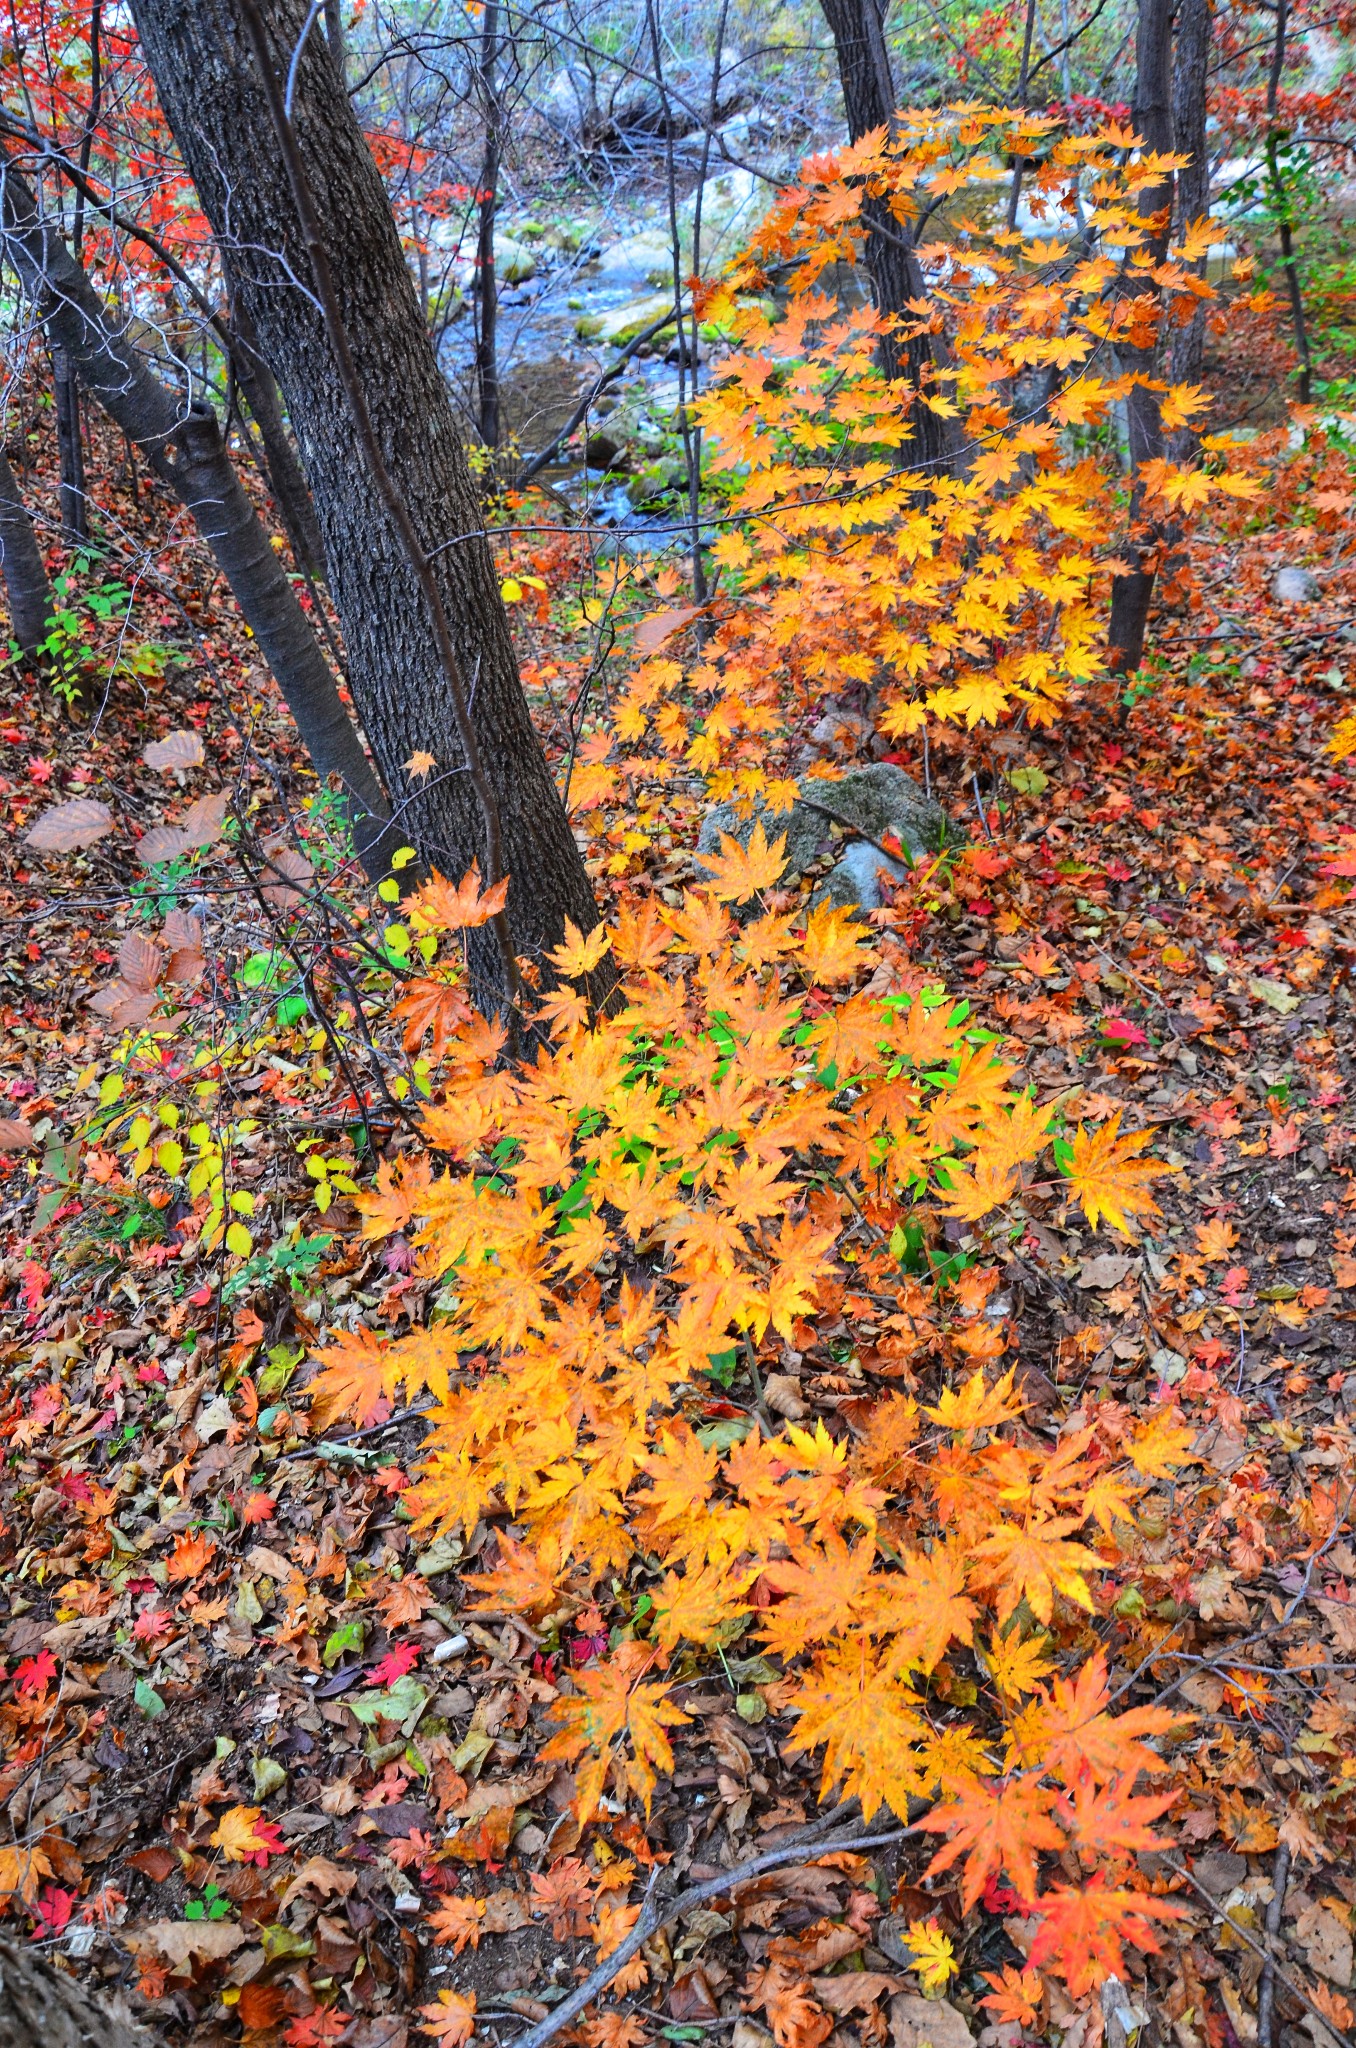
[1106,1178]
[738,872]
[235,1834]
[1161,1443]
[579,955]
[932,1956]
[1015,1665]
[23,1866]
[831,948]
[451,2018]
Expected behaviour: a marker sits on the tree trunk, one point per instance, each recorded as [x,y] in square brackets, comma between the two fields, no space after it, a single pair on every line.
[22,566]
[209,85]
[186,449]
[1152,119]
[1191,64]
[291,493]
[70,451]
[487,335]
[891,264]
[41,2007]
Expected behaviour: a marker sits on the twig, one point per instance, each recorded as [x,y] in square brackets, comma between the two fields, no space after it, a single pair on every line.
[332,1443]
[1266,1991]
[1263,1950]
[654,1919]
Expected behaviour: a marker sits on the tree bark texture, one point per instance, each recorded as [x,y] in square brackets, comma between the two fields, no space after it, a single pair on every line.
[896,276]
[1190,68]
[184,445]
[291,494]
[1152,120]
[200,57]
[41,2007]
[487,278]
[70,451]
[22,566]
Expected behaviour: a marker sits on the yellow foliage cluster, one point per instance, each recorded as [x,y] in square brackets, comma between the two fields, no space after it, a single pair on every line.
[671,1193]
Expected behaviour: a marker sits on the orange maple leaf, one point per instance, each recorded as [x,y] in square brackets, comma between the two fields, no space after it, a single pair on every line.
[1106,1177]
[994,1827]
[1081,1932]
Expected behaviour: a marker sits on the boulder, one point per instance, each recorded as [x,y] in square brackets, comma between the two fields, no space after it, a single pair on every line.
[624,323]
[639,260]
[881,801]
[514,262]
[733,203]
[1295,586]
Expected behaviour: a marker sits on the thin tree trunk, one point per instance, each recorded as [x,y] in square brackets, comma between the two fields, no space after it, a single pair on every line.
[41,2007]
[487,340]
[186,449]
[211,90]
[70,451]
[1152,117]
[334,34]
[290,490]
[1280,205]
[22,566]
[1191,63]
[896,277]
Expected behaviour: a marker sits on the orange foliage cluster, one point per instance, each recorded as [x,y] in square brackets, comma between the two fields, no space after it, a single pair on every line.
[693,1174]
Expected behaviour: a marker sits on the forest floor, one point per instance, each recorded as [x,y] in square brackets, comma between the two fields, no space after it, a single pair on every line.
[196,1589]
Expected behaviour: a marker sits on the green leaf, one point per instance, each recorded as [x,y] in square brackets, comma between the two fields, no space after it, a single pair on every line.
[348,1636]
[403,1702]
[147,1699]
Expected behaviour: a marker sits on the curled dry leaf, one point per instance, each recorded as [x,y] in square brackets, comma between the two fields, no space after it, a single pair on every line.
[124,1006]
[176,750]
[162,842]
[16,1135]
[68,827]
[286,872]
[204,821]
[140,961]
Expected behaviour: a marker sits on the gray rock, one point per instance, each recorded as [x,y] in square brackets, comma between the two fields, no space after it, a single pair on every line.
[880,801]
[856,878]
[1295,586]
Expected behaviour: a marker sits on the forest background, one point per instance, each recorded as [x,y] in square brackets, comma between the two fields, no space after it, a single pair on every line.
[678,1165]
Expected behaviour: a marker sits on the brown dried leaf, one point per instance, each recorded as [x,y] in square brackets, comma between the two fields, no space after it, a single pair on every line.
[178,1941]
[285,867]
[855,1992]
[204,821]
[162,842]
[140,961]
[157,1864]
[122,1005]
[176,750]
[182,932]
[318,1875]
[186,965]
[67,827]
[16,1135]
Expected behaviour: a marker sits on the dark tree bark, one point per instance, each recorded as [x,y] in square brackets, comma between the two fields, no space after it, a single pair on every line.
[70,450]
[22,566]
[185,447]
[41,2007]
[1190,69]
[291,493]
[210,87]
[1280,206]
[1152,119]
[487,333]
[858,32]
